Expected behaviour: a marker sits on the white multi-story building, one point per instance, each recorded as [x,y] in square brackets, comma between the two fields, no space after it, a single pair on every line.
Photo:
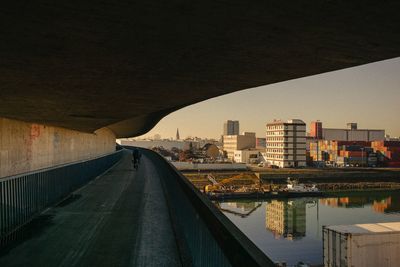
[238,142]
[286,143]
[251,156]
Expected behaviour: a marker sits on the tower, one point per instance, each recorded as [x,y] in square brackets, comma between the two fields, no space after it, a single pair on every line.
[316,129]
[177,134]
[231,128]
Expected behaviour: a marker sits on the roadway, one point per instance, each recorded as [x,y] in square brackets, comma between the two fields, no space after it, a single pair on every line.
[119,219]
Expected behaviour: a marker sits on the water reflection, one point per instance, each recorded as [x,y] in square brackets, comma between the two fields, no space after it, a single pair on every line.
[290,230]
[286,218]
[378,203]
[241,209]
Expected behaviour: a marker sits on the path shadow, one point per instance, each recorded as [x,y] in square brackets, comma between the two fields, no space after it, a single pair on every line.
[31,230]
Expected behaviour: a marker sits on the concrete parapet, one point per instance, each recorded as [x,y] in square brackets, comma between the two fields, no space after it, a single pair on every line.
[27,147]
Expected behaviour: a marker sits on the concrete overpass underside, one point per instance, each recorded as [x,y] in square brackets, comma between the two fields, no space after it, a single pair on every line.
[74,75]
[85,65]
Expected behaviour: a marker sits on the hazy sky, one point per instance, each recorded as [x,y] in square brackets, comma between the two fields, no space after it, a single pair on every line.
[368,95]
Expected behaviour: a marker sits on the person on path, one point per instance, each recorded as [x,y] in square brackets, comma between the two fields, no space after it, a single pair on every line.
[135,158]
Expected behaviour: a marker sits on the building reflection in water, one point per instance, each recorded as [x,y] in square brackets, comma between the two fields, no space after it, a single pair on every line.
[286,218]
[243,206]
[386,204]
[382,205]
[242,209]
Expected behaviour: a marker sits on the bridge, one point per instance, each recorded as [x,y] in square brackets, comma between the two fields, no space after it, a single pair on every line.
[76,75]
[151,216]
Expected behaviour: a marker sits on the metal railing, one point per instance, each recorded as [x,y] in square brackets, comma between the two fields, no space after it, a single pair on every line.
[22,197]
[205,236]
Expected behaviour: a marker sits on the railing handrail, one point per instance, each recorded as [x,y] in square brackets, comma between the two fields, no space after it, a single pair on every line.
[25,196]
[251,249]
[6,178]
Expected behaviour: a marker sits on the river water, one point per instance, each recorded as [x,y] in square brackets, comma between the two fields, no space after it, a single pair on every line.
[290,230]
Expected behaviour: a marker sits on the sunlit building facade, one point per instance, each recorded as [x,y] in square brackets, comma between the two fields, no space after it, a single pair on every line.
[286,143]
[238,142]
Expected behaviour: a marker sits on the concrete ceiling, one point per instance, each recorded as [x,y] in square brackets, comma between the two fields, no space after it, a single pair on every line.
[89,64]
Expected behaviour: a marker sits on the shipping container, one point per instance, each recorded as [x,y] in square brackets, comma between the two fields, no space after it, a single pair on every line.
[393,164]
[357,245]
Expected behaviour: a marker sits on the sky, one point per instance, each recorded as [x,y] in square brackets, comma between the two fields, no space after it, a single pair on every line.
[368,94]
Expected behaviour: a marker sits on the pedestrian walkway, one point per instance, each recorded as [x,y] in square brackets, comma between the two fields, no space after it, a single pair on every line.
[119,219]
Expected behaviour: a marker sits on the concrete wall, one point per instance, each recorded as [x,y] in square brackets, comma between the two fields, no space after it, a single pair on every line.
[27,147]
[188,166]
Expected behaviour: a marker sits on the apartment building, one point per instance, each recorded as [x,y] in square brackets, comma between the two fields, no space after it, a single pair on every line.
[286,143]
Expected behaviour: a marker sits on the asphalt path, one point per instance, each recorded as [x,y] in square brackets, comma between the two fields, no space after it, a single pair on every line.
[118,219]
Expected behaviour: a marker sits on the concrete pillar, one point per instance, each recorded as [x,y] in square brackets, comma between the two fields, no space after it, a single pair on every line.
[27,147]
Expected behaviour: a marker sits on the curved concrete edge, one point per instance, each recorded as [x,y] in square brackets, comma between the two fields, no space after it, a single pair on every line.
[228,235]
[145,59]
[142,124]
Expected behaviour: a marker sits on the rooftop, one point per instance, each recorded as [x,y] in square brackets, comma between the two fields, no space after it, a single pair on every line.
[366,228]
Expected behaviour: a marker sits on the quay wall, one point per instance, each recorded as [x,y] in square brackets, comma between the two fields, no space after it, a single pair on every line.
[188,166]
[333,176]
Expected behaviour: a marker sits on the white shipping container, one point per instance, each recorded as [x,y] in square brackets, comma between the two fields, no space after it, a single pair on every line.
[362,245]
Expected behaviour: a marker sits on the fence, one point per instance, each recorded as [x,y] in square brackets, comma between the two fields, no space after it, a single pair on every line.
[22,197]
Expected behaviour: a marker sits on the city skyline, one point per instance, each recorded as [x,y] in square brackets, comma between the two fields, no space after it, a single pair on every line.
[368,95]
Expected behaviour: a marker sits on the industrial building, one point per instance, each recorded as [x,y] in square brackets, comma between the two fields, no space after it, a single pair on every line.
[355,153]
[388,152]
[238,142]
[351,133]
[286,143]
[342,153]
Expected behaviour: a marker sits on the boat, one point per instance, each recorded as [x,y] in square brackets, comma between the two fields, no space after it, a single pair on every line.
[294,186]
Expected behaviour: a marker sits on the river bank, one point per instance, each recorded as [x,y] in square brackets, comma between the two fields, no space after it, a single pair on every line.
[325,179]
[314,175]
[331,174]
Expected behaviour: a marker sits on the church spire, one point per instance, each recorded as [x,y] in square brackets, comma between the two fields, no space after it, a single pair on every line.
[177,134]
